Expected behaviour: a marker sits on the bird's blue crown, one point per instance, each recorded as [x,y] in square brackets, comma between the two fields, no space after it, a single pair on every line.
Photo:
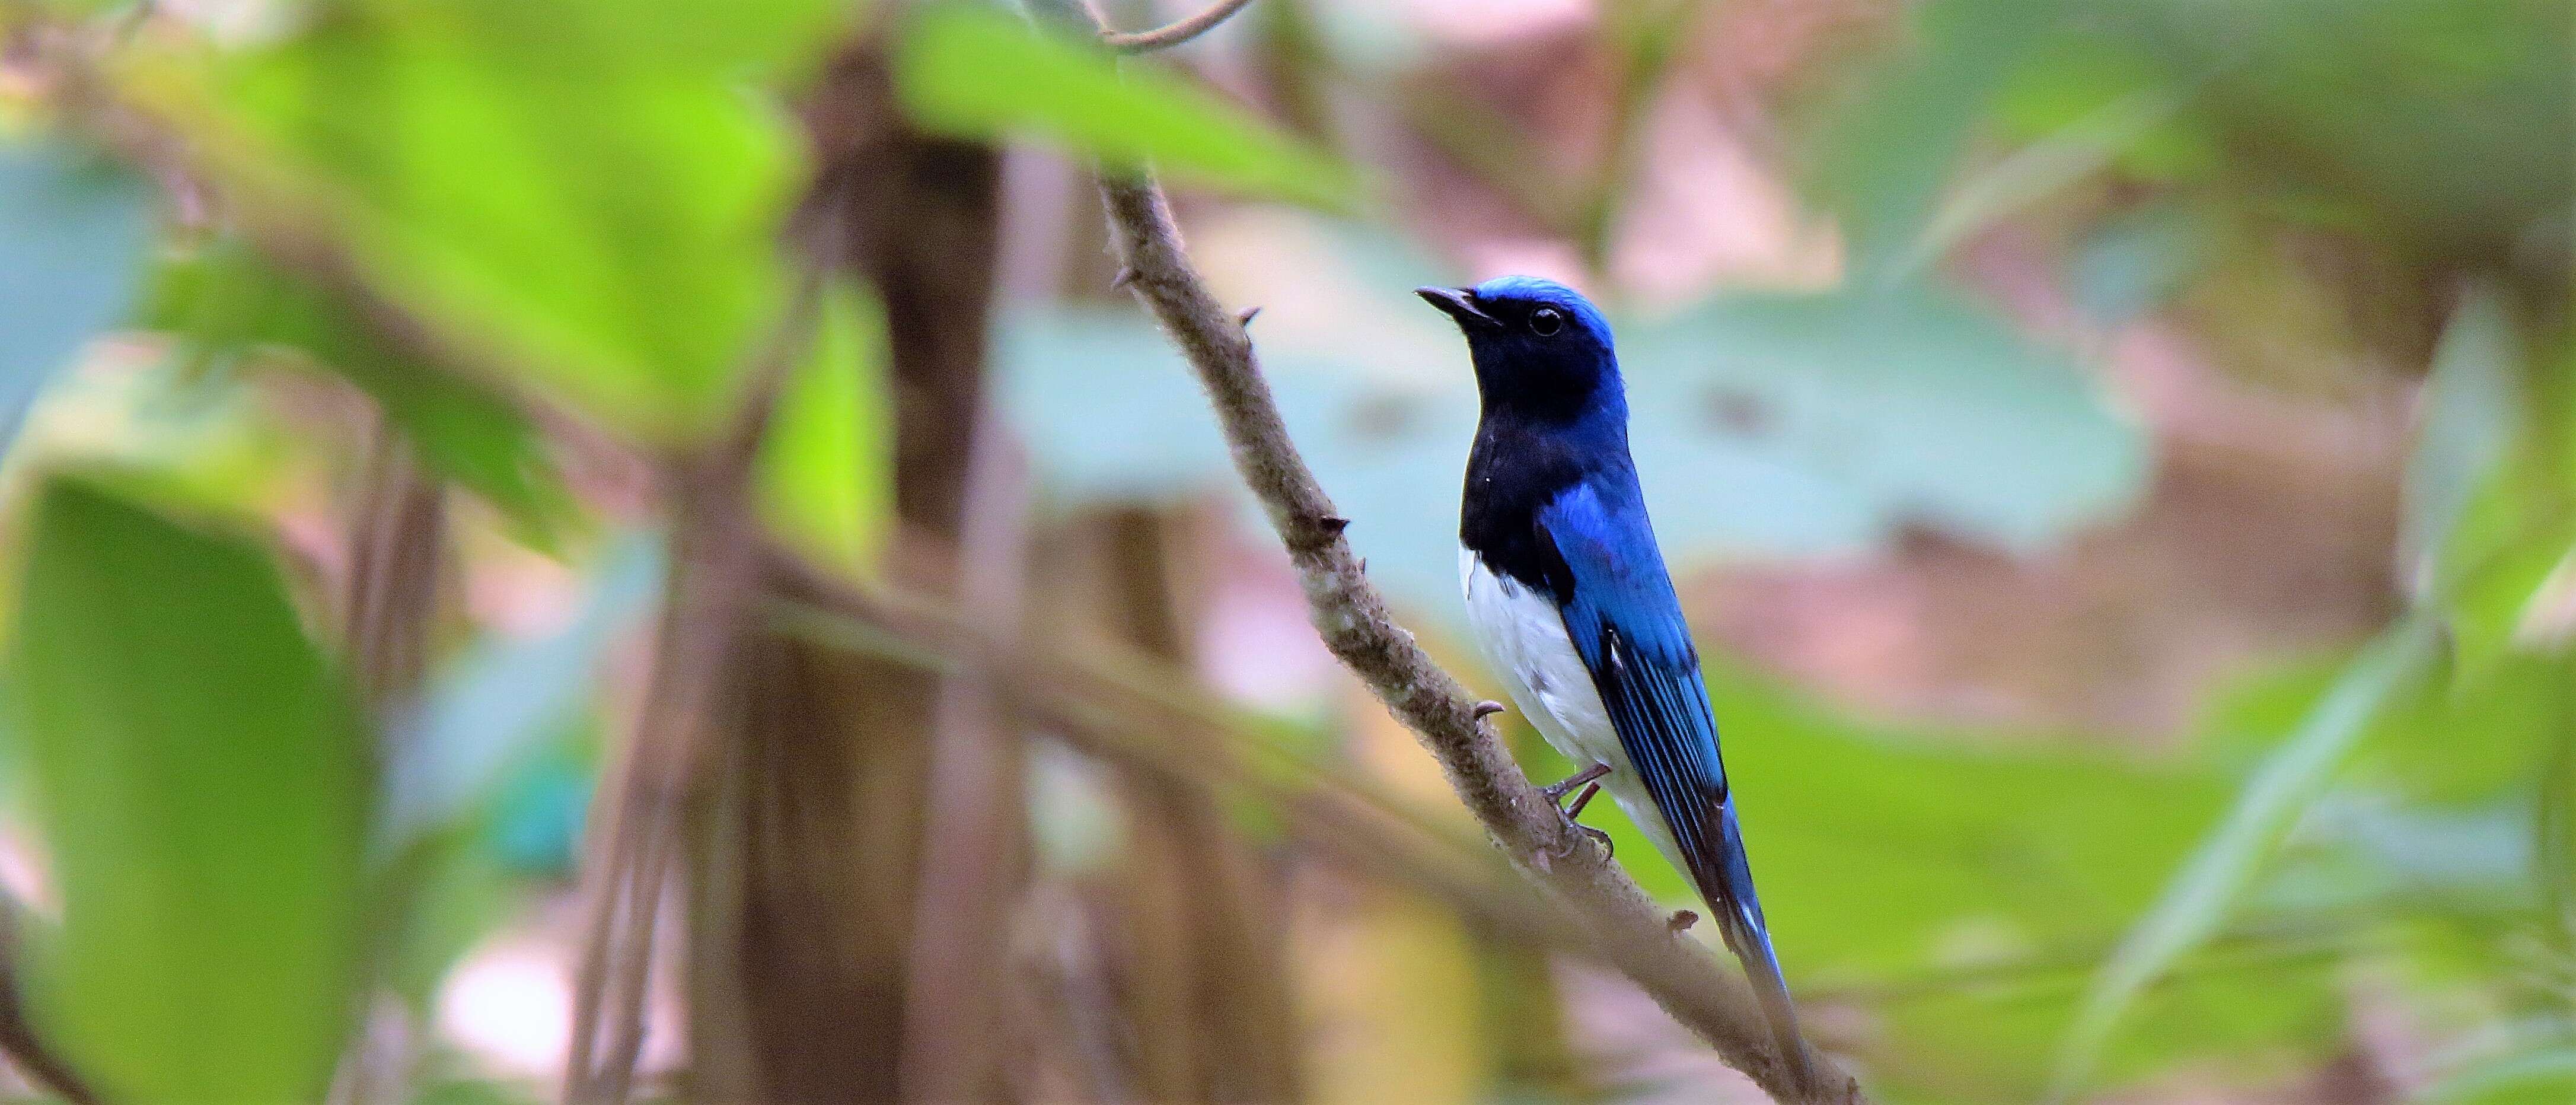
[1533,292]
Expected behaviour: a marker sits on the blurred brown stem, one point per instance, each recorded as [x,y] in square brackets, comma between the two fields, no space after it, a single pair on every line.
[973,842]
[714,575]
[1212,1011]
[395,531]
[1355,624]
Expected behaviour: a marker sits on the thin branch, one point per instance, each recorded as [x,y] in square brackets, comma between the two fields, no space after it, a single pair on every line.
[1175,33]
[1355,624]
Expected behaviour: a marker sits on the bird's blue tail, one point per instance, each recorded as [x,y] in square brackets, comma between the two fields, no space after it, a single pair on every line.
[1726,880]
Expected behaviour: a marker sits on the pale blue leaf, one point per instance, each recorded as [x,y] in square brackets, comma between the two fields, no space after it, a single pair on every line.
[72,238]
[491,708]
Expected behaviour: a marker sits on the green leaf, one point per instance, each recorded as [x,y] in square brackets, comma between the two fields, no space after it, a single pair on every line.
[974,71]
[2472,408]
[224,303]
[73,233]
[2210,885]
[199,776]
[581,190]
[825,476]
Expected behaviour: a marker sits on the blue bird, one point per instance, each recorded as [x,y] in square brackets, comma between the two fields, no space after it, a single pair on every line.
[1571,602]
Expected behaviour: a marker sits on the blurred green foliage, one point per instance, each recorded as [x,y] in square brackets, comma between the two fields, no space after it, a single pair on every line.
[578,191]
[973,70]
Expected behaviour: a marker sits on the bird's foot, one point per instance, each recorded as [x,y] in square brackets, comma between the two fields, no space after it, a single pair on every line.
[1682,920]
[1556,793]
[1589,780]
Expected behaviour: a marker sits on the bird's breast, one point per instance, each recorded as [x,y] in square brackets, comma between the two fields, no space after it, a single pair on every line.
[1523,638]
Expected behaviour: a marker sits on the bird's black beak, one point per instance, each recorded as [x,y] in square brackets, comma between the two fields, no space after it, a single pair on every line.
[1460,303]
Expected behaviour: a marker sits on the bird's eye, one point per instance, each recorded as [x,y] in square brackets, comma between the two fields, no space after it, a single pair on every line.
[1546,321]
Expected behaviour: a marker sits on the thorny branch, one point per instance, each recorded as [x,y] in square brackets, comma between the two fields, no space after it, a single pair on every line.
[1353,620]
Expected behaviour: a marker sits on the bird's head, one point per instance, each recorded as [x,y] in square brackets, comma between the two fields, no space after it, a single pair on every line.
[1541,350]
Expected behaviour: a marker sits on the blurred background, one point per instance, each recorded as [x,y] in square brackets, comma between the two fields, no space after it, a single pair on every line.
[611,551]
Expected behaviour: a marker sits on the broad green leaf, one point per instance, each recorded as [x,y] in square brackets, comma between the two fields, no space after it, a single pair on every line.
[978,72]
[578,190]
[198,773]
[73,233]
[826,469]
[2209,886]
[225,304]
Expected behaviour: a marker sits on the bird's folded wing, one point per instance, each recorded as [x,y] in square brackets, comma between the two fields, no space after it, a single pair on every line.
[1627,625]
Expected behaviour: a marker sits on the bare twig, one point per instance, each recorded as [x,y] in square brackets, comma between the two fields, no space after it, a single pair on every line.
[1175,33]
[1353,620]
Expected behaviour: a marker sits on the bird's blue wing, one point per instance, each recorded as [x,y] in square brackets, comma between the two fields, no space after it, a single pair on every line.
[1627,625]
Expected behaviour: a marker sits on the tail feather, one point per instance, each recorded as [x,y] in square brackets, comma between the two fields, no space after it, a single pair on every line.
[1725,879]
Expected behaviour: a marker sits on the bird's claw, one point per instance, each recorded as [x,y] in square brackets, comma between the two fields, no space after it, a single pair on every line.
[1590,780]
[1608,850]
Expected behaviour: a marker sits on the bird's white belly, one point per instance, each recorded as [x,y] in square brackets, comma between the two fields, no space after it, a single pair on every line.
[1524,640]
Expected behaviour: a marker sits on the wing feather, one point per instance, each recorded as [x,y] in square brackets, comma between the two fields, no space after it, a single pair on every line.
[1626,622]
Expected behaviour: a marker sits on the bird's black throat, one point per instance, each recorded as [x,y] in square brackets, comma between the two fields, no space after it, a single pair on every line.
[1519,465]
